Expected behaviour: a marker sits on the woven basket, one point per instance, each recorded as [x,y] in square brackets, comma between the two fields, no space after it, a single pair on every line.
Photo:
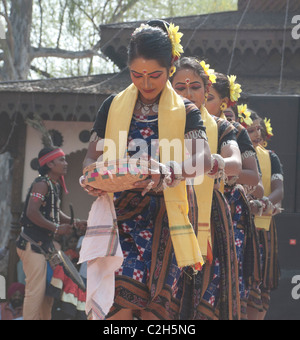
[117,175]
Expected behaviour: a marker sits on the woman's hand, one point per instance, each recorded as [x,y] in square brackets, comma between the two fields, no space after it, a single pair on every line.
[80,226]
[90,190]
[94,192]
[148,184]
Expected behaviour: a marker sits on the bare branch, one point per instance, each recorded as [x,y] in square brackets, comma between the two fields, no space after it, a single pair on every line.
[118,15]
[61,23]
[44,52]
[41,72]
[103,12]
[41,25]
[96,27]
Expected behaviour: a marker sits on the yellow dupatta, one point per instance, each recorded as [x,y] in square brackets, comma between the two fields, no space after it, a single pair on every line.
[171,126]
[222,184]
[204,191]
[264,222]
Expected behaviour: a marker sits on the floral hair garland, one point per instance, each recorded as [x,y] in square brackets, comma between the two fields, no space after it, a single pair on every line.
[244,115]
[268,128]
[141,28]
[235,90]
[209,72]
[175,37]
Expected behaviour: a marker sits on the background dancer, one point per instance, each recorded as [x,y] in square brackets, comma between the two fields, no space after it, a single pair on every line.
[272,177]
[42,220]
[215,293]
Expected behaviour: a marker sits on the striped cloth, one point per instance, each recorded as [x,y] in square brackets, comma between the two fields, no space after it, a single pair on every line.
[101,249]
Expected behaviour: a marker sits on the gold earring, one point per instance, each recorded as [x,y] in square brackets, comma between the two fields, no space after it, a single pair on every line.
[172,71]
[223,107]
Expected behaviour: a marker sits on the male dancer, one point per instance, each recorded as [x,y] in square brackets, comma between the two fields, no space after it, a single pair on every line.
[41,221]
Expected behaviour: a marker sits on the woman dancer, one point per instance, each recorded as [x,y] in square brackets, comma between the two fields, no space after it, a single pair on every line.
[272,177]
[150,278]
[216,293]
[223,95]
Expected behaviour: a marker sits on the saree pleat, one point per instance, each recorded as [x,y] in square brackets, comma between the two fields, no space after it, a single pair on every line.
[247,246]
[149,278]
[259,297]
[216,290]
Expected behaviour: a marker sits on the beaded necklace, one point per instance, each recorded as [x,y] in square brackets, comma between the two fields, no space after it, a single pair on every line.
[145,110]
[51,185]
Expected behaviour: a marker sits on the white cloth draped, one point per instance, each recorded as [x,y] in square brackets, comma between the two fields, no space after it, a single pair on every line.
[102,251]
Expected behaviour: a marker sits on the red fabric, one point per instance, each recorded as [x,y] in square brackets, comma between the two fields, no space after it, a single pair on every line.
[51,156]
[69,287]
[8,314]
[15,287]
[72,254]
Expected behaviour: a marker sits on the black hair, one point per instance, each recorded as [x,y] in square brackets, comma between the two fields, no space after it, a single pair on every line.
[264,133]
[43,170]
[162,24]
[254,115]
[222,85]
[193,64]
[235,111]
[152,43]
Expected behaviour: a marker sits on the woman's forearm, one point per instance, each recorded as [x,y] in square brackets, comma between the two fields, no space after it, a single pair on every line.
[248,177]
[232,166]
[198,164]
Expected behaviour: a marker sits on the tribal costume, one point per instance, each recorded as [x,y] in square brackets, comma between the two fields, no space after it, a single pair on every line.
[216,291]
[244,229]
[259,297]
[42,282]
[149,278]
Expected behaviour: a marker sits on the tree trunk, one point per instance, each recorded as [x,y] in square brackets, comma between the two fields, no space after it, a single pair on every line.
[18,48]
[5,198]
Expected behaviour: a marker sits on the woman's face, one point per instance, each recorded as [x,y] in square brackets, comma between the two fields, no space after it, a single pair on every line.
[254,132]
[214,102]
[149,77]
[229,114]
[189,85]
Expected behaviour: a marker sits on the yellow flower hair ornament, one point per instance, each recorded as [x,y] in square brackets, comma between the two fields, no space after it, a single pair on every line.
[244,115]
[175,38]
[235,90]
[268,128]
[209,72]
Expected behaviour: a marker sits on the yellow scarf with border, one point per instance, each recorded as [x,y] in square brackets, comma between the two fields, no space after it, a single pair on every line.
[222,184]
[264,222]
[204,191]
[171,126]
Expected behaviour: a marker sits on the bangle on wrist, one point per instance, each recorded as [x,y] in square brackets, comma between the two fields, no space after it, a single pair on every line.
[56,228]
[214,167]
[176,173]
[81,181]
[217,166]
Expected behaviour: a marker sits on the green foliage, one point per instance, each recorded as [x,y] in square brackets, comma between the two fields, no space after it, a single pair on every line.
[172,8]
[74,25]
